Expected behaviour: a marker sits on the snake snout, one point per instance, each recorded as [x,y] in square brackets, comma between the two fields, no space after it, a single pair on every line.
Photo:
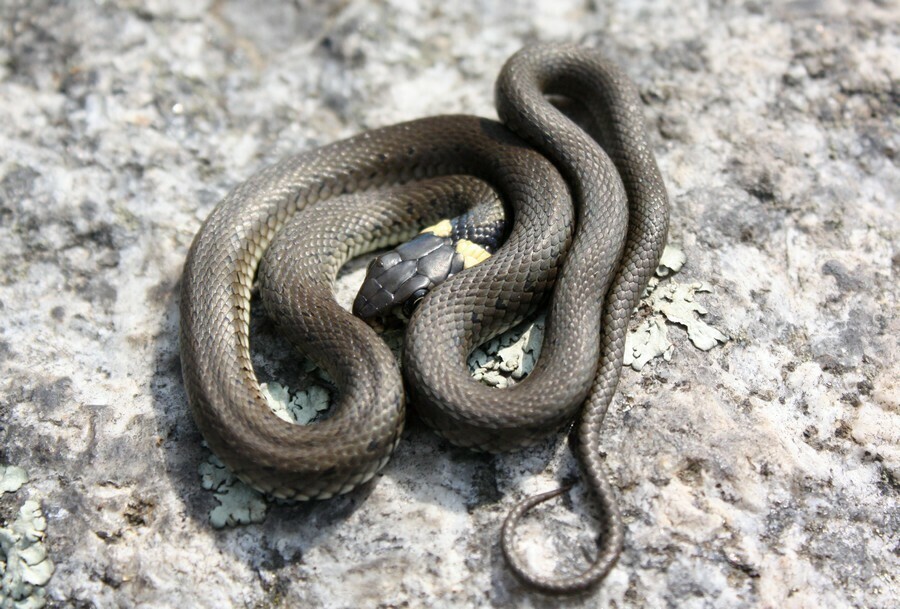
[400,279]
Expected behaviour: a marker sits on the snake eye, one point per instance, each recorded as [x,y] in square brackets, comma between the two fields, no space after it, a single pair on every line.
[413,301]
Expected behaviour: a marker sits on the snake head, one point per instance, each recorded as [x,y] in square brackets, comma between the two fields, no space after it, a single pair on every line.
[398,280]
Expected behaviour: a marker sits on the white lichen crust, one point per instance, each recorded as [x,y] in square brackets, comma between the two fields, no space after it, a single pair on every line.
[25,565]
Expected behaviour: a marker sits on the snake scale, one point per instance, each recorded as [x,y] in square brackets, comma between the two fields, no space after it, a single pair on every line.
[590,216]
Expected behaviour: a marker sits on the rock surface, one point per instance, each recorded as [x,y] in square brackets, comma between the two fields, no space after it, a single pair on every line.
[762,473]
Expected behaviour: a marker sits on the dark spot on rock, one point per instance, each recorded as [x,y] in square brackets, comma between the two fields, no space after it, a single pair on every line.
[731,215]
[139,512]
[845,280]
[674,127]
[58,313]
[99,292]
[109,577]
[88,209]
[811,437]
[35,53]
[101,236]
[161,292]
[840,347]
[842,431]
[865,387]
[17,184]
[134,170]
[51,395]
[757,181]
[851,398]
[487,489]
[109,537]
[887,483]
[692,472]
[5,351]
[78,84]
[743,565]
[274,561]
[683,385]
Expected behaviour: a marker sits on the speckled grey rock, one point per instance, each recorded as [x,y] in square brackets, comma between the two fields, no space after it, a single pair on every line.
[762,473]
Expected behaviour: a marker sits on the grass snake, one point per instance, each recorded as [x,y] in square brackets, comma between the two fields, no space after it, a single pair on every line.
[590,216]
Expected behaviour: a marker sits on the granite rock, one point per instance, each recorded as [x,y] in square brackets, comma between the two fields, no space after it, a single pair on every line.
[761,473]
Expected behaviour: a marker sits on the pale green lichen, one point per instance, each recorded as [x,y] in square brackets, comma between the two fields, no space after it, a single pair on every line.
[509,357]
[12,477]
[676,301]
[671,261]
[25,566]
[303,408]
[670,302]
[238,503]
[649,340]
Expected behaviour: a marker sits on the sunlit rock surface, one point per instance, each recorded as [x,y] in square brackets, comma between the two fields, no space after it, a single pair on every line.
[763,472]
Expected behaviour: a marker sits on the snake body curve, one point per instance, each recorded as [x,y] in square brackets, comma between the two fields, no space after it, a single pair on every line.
[594,259]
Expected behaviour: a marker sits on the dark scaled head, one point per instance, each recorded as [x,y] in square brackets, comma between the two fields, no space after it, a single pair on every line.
[400,279]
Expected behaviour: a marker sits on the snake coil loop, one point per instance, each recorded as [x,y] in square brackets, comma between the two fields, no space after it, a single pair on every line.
[590,220]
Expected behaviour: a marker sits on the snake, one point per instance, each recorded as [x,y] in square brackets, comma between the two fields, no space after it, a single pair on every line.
[589,221]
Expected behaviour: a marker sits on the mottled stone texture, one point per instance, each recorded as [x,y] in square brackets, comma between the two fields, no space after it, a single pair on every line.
[763,473]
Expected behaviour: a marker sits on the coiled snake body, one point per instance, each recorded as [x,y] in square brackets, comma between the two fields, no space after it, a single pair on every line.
[595,258]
